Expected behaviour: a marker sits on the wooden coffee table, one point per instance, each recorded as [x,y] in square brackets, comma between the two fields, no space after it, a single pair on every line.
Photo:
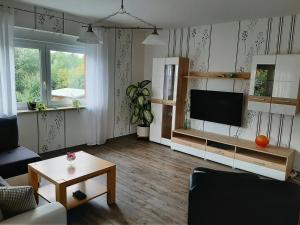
[66,178]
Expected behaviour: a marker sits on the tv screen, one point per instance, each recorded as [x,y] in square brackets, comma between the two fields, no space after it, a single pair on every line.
[215,106]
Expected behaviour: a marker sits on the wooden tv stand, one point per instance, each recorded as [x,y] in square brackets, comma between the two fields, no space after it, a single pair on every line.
[273,161]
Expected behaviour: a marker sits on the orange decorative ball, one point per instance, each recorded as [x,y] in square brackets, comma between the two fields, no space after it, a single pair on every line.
[262,141]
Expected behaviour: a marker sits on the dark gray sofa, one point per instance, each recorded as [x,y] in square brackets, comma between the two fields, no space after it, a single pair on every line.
[221,198]
[13,158]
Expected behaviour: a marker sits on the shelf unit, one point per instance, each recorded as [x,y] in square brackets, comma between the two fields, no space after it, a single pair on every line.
[167,79]
[218,75]
[273,161]
[169,116]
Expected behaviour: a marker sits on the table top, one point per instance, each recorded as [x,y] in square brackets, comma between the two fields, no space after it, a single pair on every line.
[59,170]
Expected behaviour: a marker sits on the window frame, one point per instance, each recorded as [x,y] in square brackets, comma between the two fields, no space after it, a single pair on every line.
[61,48]
[34,45]
[45,68]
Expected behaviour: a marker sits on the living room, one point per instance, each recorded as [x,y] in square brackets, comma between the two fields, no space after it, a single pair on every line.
[184,113]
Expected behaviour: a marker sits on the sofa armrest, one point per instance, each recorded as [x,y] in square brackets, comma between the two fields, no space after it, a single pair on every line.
[52,213]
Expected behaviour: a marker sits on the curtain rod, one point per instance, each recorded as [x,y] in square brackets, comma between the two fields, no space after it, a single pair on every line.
[80,22]
[128,28]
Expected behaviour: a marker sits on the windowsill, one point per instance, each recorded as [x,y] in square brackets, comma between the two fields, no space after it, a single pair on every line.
[50,109]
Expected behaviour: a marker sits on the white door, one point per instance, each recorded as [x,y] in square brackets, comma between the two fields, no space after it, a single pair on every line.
[158,78]
[155,127]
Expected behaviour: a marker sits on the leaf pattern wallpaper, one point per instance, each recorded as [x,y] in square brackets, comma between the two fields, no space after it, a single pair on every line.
[49,21]
[123,78]
[252,41]
[51,131]
[199,48]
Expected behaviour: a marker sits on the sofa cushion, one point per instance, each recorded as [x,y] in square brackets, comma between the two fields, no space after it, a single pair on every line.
[48,214]
[8,133]
[14,162]
[3,183]
[16,200]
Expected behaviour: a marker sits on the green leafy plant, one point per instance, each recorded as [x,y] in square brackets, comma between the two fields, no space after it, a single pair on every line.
[140,103]
[31,104]
[41,106]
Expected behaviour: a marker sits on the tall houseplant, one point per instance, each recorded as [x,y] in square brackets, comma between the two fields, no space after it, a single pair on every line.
[140,105]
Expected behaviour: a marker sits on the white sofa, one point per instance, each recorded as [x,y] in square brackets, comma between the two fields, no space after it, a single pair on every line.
[52,213]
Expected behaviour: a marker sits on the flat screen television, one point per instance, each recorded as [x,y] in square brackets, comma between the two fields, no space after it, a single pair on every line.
[215,106]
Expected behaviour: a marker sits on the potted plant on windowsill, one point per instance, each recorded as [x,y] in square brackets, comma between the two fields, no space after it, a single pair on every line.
[31,105]
[140,106]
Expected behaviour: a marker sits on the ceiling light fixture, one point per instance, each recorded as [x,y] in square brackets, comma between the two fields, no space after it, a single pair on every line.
[90,37]
[153,39]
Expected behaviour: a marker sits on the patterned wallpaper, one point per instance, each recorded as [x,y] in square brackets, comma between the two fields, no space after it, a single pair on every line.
[50,22]
[199,47]
[230,47]
[51,131]
[122,79]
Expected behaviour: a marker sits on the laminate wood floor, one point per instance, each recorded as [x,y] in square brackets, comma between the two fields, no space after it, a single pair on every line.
[152,184]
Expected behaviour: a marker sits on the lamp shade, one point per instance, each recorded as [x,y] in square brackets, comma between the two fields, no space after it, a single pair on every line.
[153,39]
[89,37]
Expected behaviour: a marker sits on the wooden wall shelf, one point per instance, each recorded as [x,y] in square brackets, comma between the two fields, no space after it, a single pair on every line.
[163,102]
[218,75]
[272,161]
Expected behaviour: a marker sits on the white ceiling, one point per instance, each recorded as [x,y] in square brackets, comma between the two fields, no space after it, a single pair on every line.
[176,13]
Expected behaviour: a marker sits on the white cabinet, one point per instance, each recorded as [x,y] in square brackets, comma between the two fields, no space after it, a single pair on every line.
[287,68]
[285,89]
[155,126]
[188,149]
[286,85]
[274,85]
[262,75]
[261,83]
[258,169]
[157,78]
[165,74]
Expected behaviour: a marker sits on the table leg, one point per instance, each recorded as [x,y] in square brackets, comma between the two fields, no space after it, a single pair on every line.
[61,194]
[33,180]
[111,185]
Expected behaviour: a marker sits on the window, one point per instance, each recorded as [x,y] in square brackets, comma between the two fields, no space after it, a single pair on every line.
[67,75]
[28,74]
[53,74]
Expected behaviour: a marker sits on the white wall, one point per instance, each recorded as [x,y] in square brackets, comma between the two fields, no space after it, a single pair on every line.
[229,47]
[49,131]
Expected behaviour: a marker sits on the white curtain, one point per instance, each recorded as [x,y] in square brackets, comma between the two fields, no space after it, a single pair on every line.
[7,64]
[97,90]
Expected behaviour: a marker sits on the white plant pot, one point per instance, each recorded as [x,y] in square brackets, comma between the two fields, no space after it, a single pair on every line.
[143,132]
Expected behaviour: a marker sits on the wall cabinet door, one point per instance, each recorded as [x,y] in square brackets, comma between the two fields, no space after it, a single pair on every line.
[155,127]
[287,68]
[262,75]
[285,89]
[284,109]
[258,103]
[158,78]
[261,83]
[170,81]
